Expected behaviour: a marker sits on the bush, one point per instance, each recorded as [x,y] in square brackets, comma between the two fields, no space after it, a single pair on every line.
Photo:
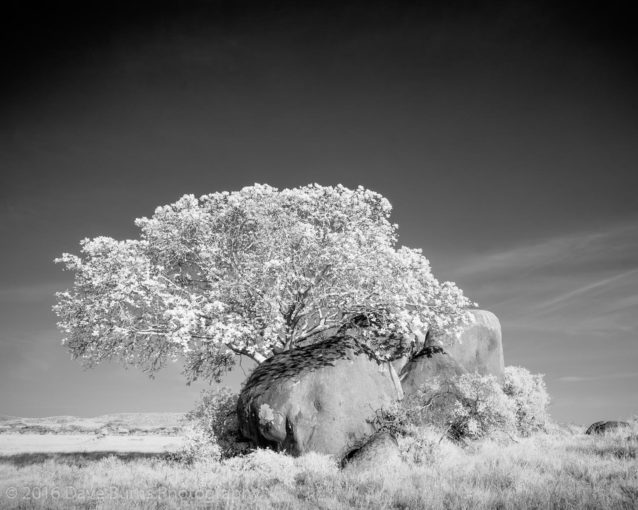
[316,464]
[420,445]
[215,426]
[480,408]
[529,395]
[467,406]
[266,464]
[199,447]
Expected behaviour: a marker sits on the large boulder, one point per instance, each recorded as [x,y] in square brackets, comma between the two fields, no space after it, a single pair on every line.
[480,345]
[602,427]
[431,363]
[322,398]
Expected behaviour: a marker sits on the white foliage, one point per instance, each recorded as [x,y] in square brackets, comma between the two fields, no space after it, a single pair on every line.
[481,407]
[246,272]
[530,397]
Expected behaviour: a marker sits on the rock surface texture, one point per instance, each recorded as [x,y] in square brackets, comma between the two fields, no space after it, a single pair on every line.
[481,345]
[321,398]
[602,427]
[379,452]
[430,363]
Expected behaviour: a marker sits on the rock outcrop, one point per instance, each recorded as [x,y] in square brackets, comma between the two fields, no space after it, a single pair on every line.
[602,427]
[322,398]
[480,348]
[432,362]
[379,452]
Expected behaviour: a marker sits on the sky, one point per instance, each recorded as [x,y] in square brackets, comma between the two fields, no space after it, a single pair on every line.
[505,135]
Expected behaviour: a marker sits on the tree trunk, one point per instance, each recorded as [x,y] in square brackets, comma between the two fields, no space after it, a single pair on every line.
[395,380]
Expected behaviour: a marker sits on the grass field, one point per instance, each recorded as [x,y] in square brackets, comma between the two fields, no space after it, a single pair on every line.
[562,469]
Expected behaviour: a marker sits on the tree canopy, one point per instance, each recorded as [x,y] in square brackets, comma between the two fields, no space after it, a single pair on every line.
[251,272]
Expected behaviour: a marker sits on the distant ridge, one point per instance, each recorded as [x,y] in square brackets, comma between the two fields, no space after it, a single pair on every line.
[115,423]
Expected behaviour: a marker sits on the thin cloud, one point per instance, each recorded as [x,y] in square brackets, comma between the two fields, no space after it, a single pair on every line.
[617,244]
[580,284]
[622,304]
[552,304]
[602,377]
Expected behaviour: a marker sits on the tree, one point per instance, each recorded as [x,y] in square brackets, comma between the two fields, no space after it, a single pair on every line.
[529,394]
[251,272]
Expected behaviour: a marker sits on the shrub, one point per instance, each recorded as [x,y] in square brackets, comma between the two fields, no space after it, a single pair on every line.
[316,464]
[529,396]
[420,445]
[396,418]
[214,422]
[480,409]
[265,465]
[199,447]
[467,406]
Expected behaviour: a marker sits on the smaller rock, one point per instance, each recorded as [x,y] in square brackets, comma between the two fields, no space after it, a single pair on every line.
[379,452]
[430,363]
[602,427]
[480,346]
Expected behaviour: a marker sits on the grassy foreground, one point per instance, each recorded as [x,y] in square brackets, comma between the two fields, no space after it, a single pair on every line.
[563,469]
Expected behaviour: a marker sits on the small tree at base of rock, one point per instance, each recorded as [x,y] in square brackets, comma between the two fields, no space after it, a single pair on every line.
[473,406]
[199,447]
[530,397]
[480,409]
[469,406]
[214,422]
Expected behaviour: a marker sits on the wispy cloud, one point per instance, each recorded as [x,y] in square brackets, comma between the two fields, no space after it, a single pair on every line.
[585,281]
[553,304]
[600,377]
[614,247]
[556,272]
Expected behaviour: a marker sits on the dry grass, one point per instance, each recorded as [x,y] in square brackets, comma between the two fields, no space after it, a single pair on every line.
[562,469]
[42,443]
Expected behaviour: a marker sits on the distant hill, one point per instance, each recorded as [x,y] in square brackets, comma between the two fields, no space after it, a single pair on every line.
[118,423]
